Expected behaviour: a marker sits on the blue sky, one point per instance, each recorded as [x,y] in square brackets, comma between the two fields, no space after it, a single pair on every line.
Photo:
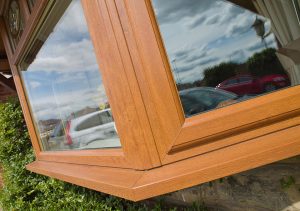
[201,33]
[64,77]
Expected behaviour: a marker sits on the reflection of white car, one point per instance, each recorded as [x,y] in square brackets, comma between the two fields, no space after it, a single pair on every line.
[92,127]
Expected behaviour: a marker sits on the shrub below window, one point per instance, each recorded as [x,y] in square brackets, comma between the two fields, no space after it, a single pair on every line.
[23,190]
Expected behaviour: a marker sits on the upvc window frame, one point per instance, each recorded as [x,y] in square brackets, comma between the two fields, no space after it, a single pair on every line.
[179,137]
[162,151]
[118,88]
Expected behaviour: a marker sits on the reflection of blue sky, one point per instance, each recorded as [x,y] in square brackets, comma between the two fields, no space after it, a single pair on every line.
[64,77]
[201,33]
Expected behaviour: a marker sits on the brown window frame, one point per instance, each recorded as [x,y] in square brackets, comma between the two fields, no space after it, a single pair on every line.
[162,151]
[182,137]
[130,129]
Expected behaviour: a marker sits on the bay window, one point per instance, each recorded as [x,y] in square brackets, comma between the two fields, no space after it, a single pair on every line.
[141,98]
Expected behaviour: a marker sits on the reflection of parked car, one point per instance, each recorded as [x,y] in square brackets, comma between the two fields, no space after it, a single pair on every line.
[197,100]
[91,127]
[248,84]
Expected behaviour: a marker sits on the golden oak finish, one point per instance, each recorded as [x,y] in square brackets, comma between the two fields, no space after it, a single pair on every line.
[121,86]
[139,185]
[110,180]
[173,132]
[162,151]
[135,133]
[20,90]
[28,32]
[157,85]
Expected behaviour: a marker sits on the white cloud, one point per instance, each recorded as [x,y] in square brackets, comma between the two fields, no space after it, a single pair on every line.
[211,33]
[68,48]
[34,84]
[67,57]
[62,104]
[64,77]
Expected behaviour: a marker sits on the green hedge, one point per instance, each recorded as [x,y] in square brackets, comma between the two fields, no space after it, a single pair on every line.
[24,190]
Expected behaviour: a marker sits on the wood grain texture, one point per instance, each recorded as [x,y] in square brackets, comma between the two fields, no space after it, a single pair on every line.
[2,6]
[139,185]
[4,65]
[161,150]
[20,90]
[30,25]
[130,72]
[156,84]
[204,132]
[138,148]
[120,85]
[25,9]
[109,180]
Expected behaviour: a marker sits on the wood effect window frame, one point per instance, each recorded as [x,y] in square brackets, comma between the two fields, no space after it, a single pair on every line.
[132,125]
[161,150]
[178,137]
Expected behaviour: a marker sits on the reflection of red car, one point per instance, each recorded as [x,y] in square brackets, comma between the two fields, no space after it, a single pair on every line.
[248,84]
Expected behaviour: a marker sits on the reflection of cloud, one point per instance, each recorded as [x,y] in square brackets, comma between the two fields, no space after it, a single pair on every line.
[197,56]
[72,25]
[225,14]
[197,64]
[68,48]
[238,56]
[198,21]
[231,12]
[175,10]
[240,27]
[65,70]
[35,84]
[199,34]
[61,105]
[182,54]
[72,56]
[260,45]
[213,20]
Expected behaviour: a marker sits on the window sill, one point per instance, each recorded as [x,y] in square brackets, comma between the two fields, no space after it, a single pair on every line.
[138,185]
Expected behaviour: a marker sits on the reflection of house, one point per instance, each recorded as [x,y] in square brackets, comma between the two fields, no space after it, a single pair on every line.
[47,125]
[162,150]
[83,112]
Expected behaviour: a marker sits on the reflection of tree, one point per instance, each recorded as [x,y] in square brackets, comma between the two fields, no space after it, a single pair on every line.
[264,63]
[216,74]
[260,64]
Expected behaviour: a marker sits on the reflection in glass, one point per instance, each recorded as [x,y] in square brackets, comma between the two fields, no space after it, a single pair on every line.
[222,53]
[64,86]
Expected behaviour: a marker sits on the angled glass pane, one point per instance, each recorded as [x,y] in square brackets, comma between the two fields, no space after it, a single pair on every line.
[64,86]
[223,52]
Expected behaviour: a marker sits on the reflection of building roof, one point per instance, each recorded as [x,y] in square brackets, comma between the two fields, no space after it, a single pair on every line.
[49,124]
[84,111]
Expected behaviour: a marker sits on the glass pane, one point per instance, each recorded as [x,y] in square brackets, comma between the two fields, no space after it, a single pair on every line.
[64,86]
[230,50]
